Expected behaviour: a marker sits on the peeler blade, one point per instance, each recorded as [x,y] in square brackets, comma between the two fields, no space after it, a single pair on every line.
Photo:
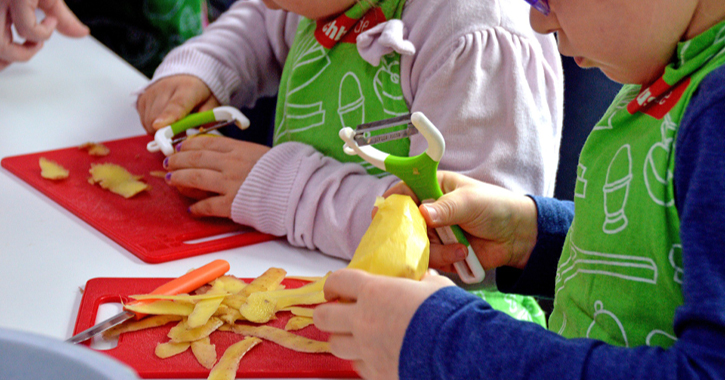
[363,137]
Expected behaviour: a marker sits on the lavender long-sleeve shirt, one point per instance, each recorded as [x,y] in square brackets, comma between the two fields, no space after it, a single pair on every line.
[491,85]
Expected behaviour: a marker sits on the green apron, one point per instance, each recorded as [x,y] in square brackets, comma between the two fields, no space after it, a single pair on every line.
[620,273]
[326,85]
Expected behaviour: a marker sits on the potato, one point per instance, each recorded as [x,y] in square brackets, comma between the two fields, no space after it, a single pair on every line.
[204,352]
[396,243]
[227,367]
[52,170]
[116,179]
[169,349]
[134,325]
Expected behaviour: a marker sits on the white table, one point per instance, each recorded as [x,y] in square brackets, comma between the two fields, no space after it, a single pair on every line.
[71,92]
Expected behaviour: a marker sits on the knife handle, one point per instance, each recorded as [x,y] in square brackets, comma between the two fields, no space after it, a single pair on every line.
[188,282]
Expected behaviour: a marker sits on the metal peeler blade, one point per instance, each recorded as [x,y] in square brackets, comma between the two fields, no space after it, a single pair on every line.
[363,137]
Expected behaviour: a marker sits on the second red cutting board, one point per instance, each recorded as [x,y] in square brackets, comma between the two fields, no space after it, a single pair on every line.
[153,225]
[266,360]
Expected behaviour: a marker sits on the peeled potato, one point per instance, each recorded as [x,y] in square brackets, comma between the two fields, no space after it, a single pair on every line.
[396,243]
[116,179]
[51,169]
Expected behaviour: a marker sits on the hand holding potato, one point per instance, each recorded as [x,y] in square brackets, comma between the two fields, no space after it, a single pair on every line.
[172,98]
[369,325]
[215,165]
[501,225]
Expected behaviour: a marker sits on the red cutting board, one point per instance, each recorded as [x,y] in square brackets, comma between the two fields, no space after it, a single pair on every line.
[266,360]
[154,224]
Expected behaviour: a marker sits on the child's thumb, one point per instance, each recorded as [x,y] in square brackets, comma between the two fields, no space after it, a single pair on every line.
[443,212]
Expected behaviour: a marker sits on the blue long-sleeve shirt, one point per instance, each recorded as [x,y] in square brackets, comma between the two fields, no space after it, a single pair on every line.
[454,335]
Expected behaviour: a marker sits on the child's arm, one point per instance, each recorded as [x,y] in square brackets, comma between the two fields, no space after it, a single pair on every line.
[239,56]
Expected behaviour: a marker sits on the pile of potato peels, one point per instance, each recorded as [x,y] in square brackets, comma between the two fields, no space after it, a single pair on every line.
[217,306]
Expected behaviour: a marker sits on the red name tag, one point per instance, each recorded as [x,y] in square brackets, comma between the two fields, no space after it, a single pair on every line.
[658,99]
[345,29]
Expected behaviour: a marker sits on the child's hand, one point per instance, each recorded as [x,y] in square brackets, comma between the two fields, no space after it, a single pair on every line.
[212,165]
[172,98]
[21,14]
[368,327]
[501,225]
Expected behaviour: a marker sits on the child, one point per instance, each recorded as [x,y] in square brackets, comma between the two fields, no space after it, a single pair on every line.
[468,65]
[638,274]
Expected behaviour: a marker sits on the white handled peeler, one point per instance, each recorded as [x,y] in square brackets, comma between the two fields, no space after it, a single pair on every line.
[164,137]
[418,172]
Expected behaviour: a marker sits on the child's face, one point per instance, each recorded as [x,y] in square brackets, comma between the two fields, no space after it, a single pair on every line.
[312,9]
[631,41]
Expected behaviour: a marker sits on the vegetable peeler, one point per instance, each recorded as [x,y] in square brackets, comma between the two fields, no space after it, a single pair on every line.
[183,284]
[164,137]
[418,172]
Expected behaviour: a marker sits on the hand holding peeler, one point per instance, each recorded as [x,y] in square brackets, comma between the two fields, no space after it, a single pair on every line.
[184,284]
[418,172]
[223,116]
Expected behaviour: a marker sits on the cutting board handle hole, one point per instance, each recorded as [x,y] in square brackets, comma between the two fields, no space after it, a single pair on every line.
[215,237]
[105,311]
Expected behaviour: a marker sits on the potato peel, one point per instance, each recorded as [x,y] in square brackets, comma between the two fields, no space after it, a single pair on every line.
[283,338]
[134,325]
[52,170]
[116,179]
[226,368]
[95,149]
[169,349]
[204,352]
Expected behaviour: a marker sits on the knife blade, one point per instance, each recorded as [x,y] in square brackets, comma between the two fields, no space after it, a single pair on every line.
[184,284]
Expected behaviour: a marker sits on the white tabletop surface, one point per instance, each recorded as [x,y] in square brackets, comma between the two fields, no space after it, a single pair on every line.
[71,92]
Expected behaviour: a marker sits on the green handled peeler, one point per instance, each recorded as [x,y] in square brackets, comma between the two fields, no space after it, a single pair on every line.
[164,138]
[418,172]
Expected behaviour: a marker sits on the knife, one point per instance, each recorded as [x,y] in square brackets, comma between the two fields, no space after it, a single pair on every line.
[184,284]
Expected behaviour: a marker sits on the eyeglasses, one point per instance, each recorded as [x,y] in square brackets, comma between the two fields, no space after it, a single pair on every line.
[540,5]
